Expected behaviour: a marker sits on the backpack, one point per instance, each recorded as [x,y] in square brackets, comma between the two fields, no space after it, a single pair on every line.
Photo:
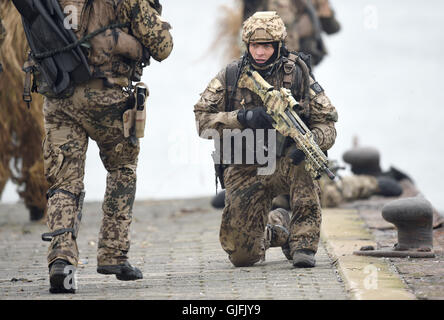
[55,50]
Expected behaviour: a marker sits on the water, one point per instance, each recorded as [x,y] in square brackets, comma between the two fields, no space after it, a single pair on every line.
[382,73]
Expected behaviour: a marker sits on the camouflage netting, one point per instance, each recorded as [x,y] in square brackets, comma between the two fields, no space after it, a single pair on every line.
[21,129]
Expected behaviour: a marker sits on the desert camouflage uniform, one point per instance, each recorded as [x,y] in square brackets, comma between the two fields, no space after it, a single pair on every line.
[323,8]
[345,189]
[95,111]
[243,233]
[2,37]
[2,32]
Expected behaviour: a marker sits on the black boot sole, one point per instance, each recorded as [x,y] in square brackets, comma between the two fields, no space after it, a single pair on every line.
[118,271]
[57,281]
[304,262]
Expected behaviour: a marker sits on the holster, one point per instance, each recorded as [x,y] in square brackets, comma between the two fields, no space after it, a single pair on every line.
[134,118]
[28,68]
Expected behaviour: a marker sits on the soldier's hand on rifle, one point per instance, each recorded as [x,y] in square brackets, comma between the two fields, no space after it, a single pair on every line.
[256,118]
[297,156]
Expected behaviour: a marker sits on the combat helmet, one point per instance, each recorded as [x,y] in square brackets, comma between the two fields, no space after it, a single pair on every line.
[264,27]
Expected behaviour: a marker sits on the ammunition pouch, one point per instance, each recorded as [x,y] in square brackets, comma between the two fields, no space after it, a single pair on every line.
[42,86]
[78,217]
[112,42]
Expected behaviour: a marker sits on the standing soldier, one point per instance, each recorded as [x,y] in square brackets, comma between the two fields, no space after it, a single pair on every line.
[117,37]
[305,20]
[248,227]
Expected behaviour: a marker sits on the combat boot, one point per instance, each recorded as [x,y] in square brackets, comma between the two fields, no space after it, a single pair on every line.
[124,272]
[278,230]
[61,280]
[304,258]
[281,201]
[35,213]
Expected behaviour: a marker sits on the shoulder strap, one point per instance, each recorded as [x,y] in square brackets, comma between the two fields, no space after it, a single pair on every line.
[232,74]
[289,68]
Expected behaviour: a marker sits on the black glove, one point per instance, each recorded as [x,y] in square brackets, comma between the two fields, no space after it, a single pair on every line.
[256,118]
[297,156]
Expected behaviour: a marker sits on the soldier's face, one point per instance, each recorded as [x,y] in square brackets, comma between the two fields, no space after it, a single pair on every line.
[261,52]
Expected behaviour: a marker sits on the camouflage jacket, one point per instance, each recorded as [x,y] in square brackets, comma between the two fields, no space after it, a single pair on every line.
[116,54]
[211,109]
[148,26]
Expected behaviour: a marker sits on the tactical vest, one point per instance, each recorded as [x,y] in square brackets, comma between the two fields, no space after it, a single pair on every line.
[290,73]
[120,66]
[234,97]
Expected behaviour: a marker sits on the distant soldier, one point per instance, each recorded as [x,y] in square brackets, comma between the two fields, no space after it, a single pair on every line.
[343,189]
[305,21]
[248,227]
[117,37]
[357,186]
[21,128]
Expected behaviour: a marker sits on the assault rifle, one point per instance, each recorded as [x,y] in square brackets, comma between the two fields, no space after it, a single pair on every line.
[280,104]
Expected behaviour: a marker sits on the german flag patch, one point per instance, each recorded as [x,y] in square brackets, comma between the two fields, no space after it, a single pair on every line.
[316,87]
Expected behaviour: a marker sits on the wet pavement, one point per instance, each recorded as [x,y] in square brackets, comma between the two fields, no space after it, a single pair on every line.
[175,244]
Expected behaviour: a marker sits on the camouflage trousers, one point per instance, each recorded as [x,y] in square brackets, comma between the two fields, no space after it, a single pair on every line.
[347,189]
[92,112]
[248,202]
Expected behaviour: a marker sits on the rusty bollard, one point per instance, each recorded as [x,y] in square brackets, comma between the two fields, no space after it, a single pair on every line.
[413,219]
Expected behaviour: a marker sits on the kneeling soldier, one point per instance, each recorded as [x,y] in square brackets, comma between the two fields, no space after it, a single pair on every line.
[248,227]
